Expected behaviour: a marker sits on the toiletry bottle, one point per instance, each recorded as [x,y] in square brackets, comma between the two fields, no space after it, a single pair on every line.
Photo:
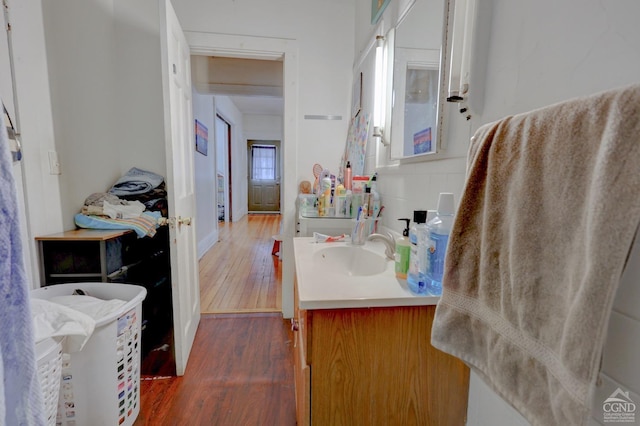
[325,192]
[416,282]
[366,202]
[374,200]
[439,228]
[327,202]
[339,201]
[358,183]
[347,175]
[423,247]
[403,249]
[321,204]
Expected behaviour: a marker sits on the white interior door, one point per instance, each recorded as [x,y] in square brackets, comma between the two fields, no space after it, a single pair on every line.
[179,131]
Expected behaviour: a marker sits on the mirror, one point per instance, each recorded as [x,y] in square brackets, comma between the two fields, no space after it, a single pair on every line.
[415,98]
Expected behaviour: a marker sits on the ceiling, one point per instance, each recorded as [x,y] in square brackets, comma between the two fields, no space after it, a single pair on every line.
[259,105]
[254,86]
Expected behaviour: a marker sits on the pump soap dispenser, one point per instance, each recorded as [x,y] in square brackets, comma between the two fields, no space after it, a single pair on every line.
[403,251]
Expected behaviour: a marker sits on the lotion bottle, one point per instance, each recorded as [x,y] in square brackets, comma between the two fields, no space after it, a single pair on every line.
[403,250]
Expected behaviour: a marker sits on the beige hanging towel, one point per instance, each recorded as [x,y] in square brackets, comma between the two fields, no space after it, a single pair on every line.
[545,224]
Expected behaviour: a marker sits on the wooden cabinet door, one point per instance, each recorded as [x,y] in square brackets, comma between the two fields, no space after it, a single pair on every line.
[377,367]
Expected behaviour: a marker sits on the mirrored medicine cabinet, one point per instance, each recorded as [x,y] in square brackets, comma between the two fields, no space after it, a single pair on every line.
[415,93]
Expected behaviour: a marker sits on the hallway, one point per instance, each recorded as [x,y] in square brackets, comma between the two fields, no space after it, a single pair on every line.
[239,274]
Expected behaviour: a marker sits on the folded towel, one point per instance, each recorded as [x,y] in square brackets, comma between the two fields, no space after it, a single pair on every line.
[545,224]
[136,181]
[143,226]
[131,210]
[20,393]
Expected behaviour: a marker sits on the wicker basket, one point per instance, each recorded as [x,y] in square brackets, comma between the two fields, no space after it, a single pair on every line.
[49,361]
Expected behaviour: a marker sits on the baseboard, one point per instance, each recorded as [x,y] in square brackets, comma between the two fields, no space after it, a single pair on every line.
[206,243]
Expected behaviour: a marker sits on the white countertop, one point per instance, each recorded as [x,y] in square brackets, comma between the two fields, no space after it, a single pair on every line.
[322,288]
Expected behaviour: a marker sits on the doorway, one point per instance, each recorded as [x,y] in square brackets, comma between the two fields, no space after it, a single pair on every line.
[239,273]
[223,168]
[264,176]
[286,50]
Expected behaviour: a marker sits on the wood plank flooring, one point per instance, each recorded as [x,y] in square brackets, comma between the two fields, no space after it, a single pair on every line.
[239,274]
[240,372]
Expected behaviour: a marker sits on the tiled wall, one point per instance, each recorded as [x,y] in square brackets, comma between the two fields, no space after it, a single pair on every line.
[417,186]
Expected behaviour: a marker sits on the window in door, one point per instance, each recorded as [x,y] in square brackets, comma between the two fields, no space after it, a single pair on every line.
[263,162]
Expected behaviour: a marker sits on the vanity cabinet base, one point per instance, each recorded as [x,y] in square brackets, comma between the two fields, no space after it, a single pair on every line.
[376,366]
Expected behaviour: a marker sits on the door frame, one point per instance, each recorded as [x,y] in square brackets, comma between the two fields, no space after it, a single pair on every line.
[237,46]
[225,146]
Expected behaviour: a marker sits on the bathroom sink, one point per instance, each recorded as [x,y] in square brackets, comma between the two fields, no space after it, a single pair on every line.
[340,275]
[350,260]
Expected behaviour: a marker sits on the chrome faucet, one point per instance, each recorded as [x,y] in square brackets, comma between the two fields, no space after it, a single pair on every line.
[388,241]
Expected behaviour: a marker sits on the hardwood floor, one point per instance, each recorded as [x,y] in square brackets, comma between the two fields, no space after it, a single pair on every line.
[240,372]
[239,274]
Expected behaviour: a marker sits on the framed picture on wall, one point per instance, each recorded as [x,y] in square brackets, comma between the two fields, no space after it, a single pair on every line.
[377,8]
[202,138]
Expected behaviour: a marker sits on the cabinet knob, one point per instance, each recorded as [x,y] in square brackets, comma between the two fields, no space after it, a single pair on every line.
[295,326]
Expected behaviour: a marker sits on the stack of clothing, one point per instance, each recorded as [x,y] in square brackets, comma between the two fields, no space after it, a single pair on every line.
[136,201]
[144,186]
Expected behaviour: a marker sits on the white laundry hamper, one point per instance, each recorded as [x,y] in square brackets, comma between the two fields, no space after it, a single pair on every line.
[49,363]
[100,385]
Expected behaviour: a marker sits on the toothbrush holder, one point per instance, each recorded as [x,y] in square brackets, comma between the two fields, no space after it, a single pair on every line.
[362,228]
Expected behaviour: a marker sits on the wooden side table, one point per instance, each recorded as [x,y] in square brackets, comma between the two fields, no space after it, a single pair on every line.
[83,255]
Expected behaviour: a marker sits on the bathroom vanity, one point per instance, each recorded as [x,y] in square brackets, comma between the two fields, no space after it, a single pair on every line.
[362,343]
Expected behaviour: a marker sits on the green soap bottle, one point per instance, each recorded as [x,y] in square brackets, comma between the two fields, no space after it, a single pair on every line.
[403,252]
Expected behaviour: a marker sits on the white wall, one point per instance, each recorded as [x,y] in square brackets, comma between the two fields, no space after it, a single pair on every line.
[324,33]
[205,177]
[41,189]
[138,87]
[260,126]
[106,101]
[81,54]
